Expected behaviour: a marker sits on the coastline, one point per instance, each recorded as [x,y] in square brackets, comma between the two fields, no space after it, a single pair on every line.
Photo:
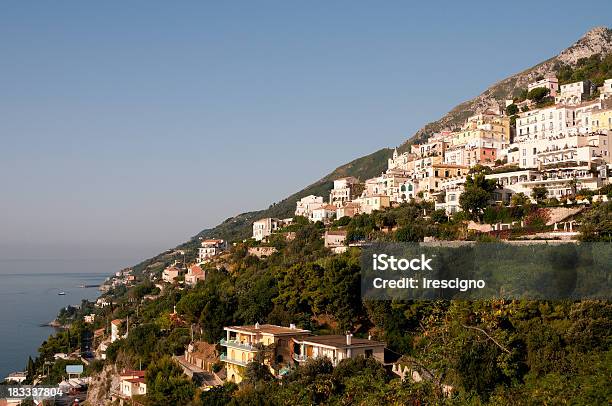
[30,305]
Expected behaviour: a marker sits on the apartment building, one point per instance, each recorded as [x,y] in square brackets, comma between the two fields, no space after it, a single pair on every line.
[263,228]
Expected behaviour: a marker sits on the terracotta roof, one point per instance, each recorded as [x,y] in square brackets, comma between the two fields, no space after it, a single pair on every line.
[268,329]
[336,232]
[212,241]
[117,322]
[196,270]
[339,341]
[448,166]
[133,372]
[326,207]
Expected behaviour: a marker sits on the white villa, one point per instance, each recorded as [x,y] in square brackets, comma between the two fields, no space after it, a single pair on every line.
[337,348]
[210,248]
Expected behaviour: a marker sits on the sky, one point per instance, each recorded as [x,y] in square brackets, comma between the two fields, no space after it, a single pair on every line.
[128,127]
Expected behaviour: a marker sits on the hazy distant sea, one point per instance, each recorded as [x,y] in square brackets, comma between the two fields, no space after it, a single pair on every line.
[29,297]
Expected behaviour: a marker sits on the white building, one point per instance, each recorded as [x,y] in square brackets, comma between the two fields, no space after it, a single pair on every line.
[324,213]
[334,238]
[343,191]
[573,93]
[170,274]
[337,348]
[133,383]
[263,228]
[305,205]
[605,91]
[544,122]
[115,326]
[210,248]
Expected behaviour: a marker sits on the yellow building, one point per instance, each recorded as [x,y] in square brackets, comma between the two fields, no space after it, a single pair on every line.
[244,342]
[431,180]
[486,126]
[602,120]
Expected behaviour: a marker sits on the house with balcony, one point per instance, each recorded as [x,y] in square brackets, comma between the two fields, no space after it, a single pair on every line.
[210,248]
[243,343]
[337,348]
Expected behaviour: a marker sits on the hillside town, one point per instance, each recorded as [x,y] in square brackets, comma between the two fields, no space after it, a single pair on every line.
[563,147]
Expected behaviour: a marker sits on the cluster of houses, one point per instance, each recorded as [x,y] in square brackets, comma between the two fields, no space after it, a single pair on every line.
[124,277]
[563,147]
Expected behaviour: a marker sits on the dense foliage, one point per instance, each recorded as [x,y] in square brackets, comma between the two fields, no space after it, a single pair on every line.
[484,352]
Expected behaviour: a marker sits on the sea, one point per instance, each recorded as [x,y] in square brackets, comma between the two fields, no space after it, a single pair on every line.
[29,299]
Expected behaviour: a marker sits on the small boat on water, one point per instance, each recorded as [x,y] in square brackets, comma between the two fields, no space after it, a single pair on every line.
[61,293]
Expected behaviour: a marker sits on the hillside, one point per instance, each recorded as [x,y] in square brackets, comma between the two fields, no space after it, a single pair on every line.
[597,41]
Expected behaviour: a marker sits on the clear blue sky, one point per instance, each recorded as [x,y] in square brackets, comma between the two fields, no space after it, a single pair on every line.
[137,124]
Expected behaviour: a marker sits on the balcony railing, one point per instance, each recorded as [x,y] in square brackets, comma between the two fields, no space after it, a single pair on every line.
[225,358]
[300,357]
[237,344]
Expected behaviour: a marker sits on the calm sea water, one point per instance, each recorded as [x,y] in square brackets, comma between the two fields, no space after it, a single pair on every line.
[29,297]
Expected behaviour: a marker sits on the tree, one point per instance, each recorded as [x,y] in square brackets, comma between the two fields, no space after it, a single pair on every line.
[597,223]
[256,372]
[539,193]
[477,194]
[218,395]
[167,385]
[519,199]
[512,109]
[538,94]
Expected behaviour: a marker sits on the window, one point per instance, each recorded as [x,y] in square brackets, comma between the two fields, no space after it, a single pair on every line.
[369,353]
